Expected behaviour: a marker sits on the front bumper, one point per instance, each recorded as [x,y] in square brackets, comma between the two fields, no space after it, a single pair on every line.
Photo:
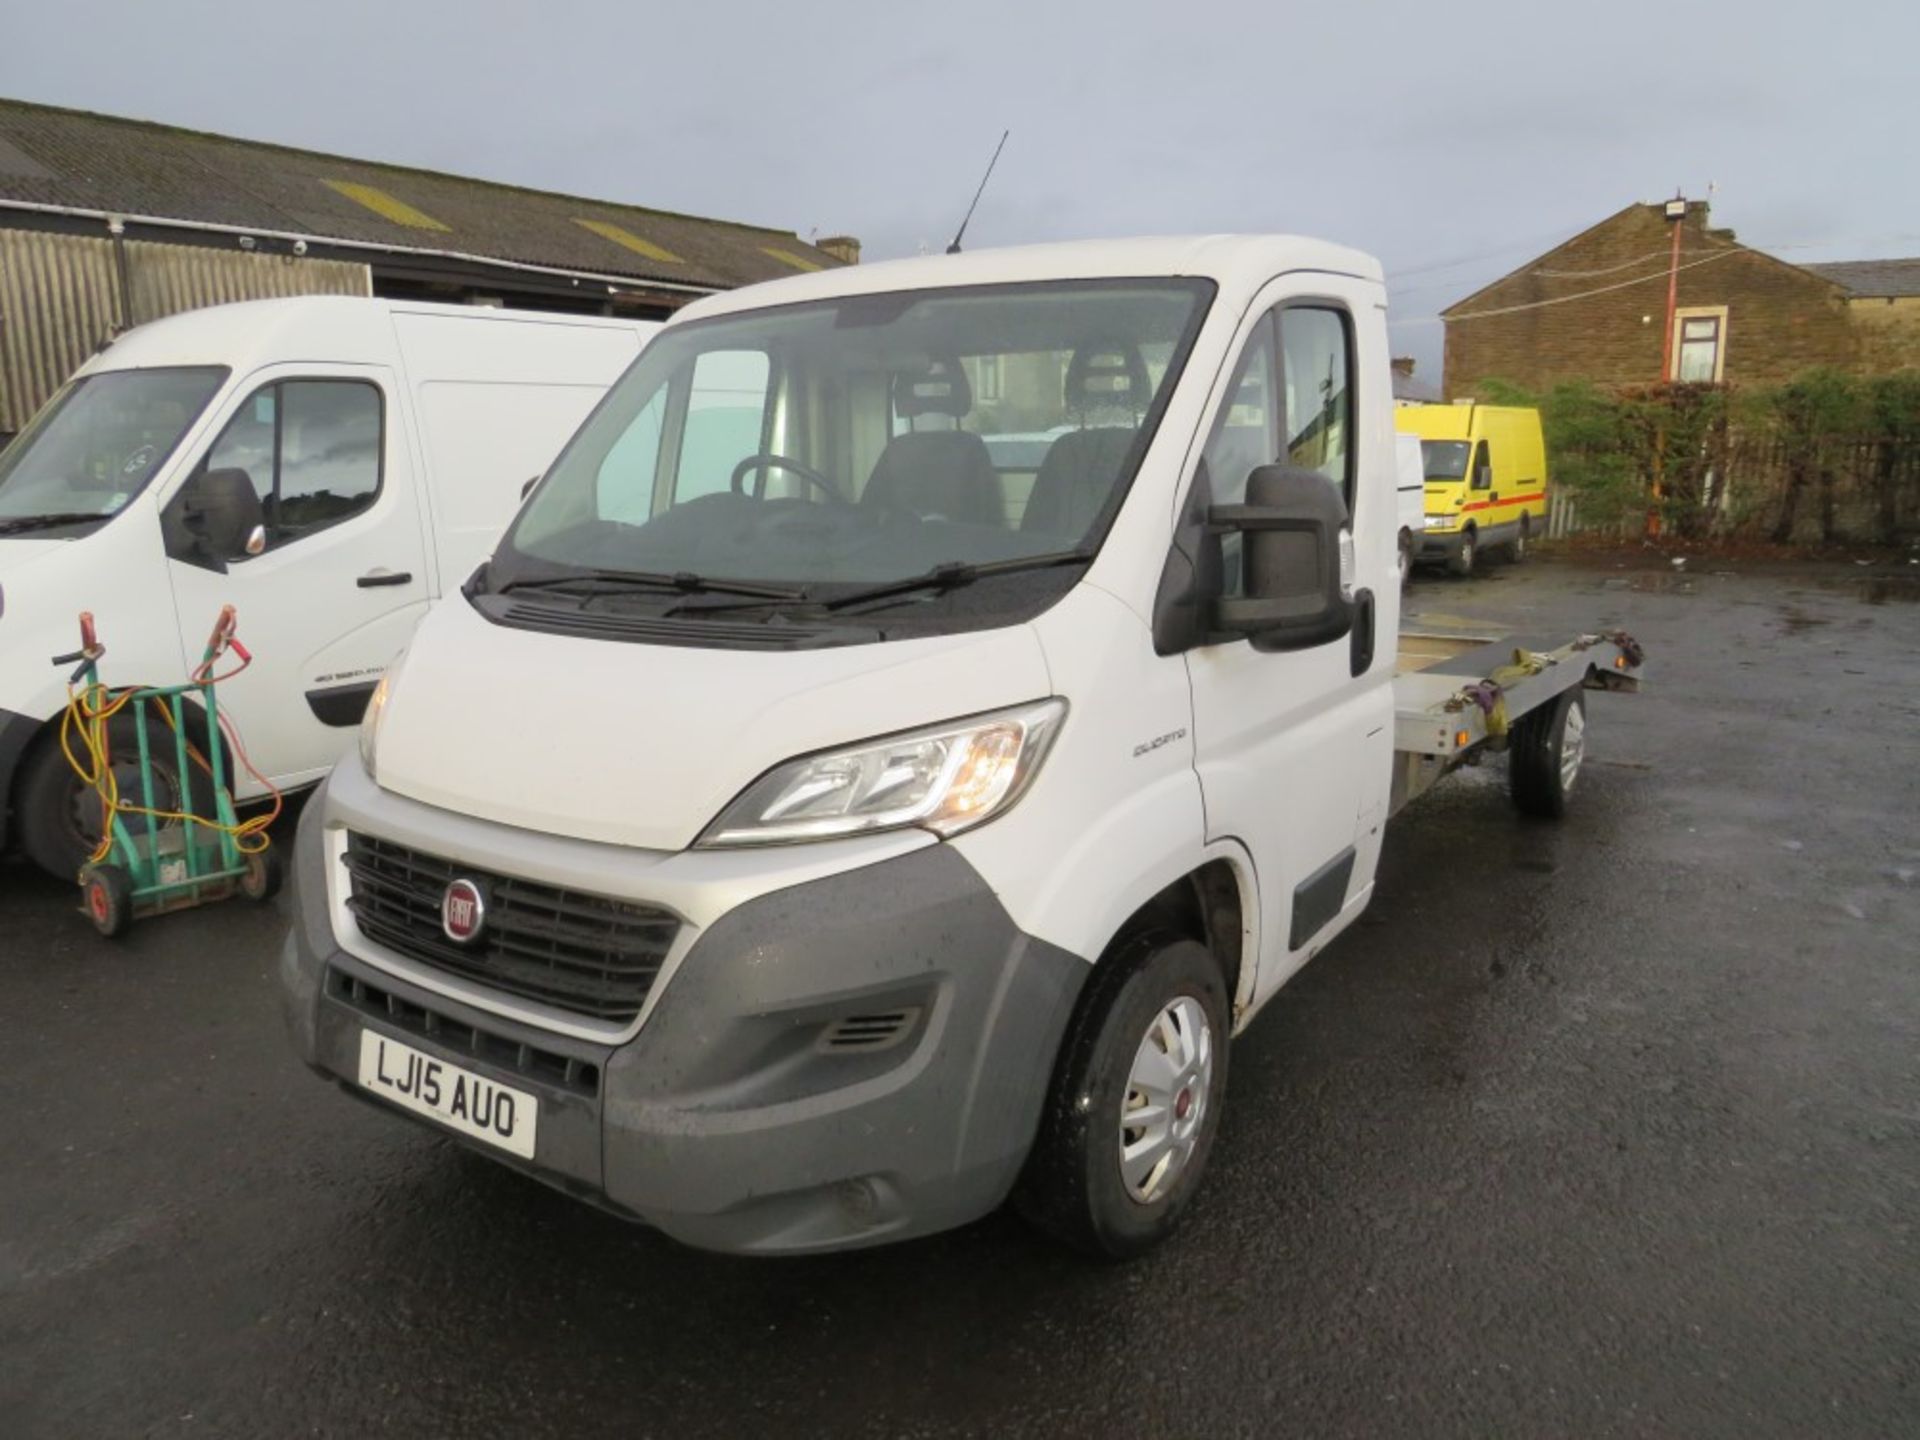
[730,1119]
[1438,544]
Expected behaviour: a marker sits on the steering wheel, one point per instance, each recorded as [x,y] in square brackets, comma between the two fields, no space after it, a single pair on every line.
[767,460]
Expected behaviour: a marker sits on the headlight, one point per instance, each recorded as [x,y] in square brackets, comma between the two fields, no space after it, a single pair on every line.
[945,778]
[1440,522]
[370,721]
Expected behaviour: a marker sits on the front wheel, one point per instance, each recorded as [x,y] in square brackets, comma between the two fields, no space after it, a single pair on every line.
[1462,560]
[1136,1101]
[1521,541]
[1406,556]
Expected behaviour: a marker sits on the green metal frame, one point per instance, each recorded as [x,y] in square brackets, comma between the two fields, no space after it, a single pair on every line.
[171,868]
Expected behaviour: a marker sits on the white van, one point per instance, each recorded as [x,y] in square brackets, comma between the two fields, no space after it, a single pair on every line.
[1410,480]
[325,465]
[780,843]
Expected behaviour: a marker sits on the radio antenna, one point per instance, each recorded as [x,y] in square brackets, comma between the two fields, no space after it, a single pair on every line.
[954,248]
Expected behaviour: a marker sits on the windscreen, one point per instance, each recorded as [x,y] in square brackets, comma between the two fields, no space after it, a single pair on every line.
[868,438]
[1444,459]
[98,442]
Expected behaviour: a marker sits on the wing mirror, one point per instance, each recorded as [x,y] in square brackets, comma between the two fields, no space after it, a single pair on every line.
[1296,557]
[527,489]
[216,517]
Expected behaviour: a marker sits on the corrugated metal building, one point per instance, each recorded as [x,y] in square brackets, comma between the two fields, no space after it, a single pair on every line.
[106,223]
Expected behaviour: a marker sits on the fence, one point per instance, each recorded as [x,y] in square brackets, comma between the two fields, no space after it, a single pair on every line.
[1860,489]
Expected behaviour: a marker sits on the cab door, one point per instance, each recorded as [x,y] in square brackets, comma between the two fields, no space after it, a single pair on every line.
[336,575]
[1293,748]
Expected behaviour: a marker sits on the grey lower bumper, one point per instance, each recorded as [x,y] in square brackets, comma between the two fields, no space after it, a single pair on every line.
[1443,545]
[730,1120]
[16,731]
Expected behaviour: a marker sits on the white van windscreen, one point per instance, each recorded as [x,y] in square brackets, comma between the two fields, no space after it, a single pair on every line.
[867,439]
[97,443]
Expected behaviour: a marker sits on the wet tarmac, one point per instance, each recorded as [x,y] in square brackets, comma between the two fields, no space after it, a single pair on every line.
[1604,1128]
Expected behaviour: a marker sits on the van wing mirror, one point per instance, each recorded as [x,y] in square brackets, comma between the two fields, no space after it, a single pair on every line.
[217,517]
[1296,561]
[527,489]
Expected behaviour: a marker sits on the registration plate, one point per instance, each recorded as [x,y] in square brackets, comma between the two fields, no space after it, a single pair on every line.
[472,1104]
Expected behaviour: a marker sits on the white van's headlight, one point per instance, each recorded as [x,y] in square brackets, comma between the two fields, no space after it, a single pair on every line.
[370,723]
[944,778]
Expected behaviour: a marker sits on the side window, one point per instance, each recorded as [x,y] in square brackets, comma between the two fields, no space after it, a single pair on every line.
[311,449]
[1246,435]
[1317,379]
[726,416]
[1482,468]
[623,490]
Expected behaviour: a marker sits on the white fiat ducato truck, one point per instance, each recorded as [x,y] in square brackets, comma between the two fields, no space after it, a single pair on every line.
[325,465]
[816,844]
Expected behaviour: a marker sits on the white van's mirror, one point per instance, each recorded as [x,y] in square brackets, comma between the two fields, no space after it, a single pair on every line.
[1297,589]
[527,489]
[220,513]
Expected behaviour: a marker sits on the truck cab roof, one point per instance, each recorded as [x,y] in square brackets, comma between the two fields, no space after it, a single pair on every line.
[1238,264]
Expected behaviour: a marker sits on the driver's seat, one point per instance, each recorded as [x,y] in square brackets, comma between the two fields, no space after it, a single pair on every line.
[936,474]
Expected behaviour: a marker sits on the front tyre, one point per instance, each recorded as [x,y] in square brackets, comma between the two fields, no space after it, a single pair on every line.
[1522,540]
[1136,1100]
[1406,556]
[1461,562]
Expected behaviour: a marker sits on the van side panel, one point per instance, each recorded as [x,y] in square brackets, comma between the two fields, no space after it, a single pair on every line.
[494,400]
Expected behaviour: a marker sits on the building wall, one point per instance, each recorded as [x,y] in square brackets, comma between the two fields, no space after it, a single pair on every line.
[64,296]
[1780,320]
[1889,331]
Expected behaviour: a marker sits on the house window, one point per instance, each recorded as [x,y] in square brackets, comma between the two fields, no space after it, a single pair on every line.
[1700,345]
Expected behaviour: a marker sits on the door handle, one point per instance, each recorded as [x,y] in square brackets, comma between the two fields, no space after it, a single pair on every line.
[375,578]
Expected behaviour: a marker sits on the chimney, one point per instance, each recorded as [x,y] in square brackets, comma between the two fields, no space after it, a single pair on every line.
[844,248]
[1403,366]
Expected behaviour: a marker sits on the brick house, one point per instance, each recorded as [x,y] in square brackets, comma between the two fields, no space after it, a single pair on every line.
[1743,316]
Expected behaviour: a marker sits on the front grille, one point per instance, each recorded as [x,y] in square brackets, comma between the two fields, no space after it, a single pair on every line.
[566,1072]
[581,953]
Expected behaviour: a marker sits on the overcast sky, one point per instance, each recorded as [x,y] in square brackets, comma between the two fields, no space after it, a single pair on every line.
[1470,134]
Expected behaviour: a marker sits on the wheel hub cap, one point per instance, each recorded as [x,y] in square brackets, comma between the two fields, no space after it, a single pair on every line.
[1573,746]
[1166,1099]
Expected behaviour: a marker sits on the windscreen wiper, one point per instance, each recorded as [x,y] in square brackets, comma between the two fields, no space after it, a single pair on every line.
[684,582]
[46,522]
[952,575]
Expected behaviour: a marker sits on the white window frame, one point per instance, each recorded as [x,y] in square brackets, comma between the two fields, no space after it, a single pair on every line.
[1716,313]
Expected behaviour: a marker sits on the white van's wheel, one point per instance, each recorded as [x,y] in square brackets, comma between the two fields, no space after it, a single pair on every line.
[59,816]
[1545,755]
[1519,550]
[1406,556]
[1136,1100]
[1461,562]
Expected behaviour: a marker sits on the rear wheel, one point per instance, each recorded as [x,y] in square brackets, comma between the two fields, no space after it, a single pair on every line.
[1462,560]
[1136,1100]
[1545,755]
[1520,541]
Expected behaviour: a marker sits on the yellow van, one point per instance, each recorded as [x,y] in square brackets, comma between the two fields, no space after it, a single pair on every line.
[1486,474]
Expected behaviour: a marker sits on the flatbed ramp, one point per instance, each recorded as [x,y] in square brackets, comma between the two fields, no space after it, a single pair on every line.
[1457,695]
